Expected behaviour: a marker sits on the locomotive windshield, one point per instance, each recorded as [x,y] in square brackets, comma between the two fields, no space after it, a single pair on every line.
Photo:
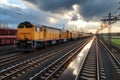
[28,26]
[21,26]
[25,25]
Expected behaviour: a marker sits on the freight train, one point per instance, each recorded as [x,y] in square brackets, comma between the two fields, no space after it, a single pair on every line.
[31,37]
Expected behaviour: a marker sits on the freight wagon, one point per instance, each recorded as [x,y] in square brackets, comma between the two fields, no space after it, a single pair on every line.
[5,31]
[7,40]
[7,36]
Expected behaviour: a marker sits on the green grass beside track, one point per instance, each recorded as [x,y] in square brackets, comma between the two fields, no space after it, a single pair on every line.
[116,42]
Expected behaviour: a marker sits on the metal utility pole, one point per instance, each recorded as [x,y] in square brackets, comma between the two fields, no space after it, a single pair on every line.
[109,20]
[109,28]
[63,26]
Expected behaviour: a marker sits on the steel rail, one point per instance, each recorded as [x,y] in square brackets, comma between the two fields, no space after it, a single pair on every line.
[36,76]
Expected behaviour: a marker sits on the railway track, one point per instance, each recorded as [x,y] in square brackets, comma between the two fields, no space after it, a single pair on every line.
[18,69]
[7,56]
[54,70]
[4,61]
[16,58]
[114,63]
[89,69]
[113,49]
[116,48]
[99,64]
[6,49]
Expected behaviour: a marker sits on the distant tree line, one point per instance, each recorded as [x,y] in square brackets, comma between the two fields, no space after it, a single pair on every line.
[4,25]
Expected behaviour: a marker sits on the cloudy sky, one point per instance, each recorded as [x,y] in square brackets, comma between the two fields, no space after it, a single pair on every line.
[77,15]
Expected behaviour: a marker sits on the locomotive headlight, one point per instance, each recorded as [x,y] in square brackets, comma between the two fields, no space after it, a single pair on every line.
[29,41]
[16,41]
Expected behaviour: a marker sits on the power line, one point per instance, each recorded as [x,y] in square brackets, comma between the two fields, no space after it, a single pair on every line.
[22,16]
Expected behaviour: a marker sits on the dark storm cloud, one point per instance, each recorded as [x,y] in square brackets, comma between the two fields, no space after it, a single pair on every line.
[15,15]
[88,8]
[54,5]
[97,8]
[10,14]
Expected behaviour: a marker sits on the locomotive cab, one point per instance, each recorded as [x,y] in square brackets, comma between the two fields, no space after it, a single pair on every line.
[25,40]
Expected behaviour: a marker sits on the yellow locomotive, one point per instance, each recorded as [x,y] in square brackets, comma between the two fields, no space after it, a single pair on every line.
[30,37]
